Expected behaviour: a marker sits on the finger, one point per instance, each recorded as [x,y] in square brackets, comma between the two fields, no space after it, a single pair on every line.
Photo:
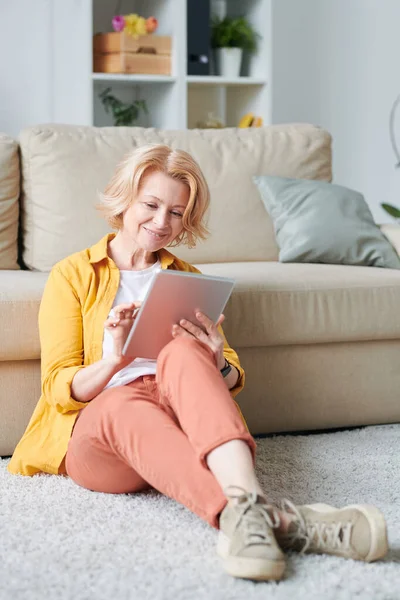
[220,321]
[112,322]
[126,314]
[214,335]
[178,331]
[127,306]
[196,331]
[210,326]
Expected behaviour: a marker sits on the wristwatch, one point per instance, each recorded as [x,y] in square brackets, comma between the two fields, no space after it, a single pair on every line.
[226,370]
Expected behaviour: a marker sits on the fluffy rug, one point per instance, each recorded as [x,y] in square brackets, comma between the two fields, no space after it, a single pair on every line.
[61,542]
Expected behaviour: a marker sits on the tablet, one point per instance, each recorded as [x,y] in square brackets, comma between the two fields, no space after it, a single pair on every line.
[172,296]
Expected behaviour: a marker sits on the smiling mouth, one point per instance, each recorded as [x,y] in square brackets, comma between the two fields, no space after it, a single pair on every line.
[156,236]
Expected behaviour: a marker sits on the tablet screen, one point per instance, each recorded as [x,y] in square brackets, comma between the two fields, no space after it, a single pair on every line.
[172,296]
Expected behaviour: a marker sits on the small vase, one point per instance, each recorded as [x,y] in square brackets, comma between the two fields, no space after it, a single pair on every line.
[229,61]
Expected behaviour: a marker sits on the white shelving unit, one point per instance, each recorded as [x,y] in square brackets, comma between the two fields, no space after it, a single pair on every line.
[180,101]
[135,79]
[218,80]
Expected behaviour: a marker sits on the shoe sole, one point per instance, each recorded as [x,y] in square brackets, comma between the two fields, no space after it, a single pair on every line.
[377,523]
[259,569]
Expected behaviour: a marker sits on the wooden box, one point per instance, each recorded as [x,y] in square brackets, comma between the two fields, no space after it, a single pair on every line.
[121,53]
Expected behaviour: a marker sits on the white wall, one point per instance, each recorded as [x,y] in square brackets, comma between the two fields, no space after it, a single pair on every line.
[40,81]
[26,64]
[336,64]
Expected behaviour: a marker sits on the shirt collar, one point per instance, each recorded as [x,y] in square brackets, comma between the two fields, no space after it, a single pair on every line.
[98,252]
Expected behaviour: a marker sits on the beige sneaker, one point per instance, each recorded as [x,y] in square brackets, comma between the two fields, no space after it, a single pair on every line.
[357,531]
[246,541]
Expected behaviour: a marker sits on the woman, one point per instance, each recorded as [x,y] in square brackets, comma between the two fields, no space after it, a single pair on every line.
[122,424]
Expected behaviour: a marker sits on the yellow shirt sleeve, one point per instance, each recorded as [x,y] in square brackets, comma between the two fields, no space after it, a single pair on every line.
[233,359]
[61,341]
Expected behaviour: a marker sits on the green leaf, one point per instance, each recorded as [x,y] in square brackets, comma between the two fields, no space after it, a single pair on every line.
[123,114]
[142,104]
[233,33]
[391,210]
[117,110]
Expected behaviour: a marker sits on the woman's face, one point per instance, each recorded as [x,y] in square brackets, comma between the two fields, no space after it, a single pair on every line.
[154,219]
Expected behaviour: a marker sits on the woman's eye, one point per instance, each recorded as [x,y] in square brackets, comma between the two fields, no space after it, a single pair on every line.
[154,207]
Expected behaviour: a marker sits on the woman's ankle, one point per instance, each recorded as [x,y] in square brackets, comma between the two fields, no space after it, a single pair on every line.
[285,520]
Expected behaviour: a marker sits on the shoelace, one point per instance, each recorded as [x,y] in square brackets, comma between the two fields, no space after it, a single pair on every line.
[258,520]
[317,536]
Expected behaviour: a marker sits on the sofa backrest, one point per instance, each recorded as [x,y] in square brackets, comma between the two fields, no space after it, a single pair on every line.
[64,168]
[9,207]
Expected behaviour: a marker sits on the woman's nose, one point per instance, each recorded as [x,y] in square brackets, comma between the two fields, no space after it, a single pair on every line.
[161,218]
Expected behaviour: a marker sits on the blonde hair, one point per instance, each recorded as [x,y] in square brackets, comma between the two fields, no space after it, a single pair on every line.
[124,185]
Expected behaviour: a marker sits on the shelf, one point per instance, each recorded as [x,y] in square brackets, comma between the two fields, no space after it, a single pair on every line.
[224,81]
[127,78]
[181,100]
[192,79]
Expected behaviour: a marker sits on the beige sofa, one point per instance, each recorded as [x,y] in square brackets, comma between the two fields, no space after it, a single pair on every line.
[320,344]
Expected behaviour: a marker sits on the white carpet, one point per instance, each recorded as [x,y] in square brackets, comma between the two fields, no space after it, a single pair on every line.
[61,542]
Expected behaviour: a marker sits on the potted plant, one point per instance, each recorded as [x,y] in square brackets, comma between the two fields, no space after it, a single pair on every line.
[229,37]
[123,114]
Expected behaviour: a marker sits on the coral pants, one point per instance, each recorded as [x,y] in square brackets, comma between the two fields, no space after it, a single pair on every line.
[157,431]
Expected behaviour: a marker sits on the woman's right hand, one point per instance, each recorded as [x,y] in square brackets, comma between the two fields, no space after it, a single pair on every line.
[119,327]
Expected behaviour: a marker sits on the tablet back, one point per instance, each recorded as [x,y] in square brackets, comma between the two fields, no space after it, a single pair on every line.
[172,296]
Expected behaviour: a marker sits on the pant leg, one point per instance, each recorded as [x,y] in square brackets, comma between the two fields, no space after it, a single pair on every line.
[125,441]
[192,386]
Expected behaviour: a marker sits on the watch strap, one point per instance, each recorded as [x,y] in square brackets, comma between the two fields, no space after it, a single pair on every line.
[226,369]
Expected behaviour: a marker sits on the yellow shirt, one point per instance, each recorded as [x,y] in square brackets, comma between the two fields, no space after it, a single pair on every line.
[77,299]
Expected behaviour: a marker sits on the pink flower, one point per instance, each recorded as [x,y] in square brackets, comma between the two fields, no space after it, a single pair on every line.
[118,23]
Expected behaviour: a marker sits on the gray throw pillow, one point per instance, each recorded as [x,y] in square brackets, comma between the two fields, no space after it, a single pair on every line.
[320,222]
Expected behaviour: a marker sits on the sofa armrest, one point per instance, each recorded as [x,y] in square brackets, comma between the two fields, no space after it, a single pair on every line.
[20,297]
[392,232]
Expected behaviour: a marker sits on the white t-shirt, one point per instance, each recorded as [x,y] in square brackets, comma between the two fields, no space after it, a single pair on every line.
[133,286]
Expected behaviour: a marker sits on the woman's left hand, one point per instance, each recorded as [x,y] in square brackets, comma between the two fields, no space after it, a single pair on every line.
[211,336]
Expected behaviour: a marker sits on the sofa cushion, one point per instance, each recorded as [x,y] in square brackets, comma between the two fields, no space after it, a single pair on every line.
[9,207]
[283,304]
[392,232]
[20,295]
[321,222]
[65,166]
[278,304]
